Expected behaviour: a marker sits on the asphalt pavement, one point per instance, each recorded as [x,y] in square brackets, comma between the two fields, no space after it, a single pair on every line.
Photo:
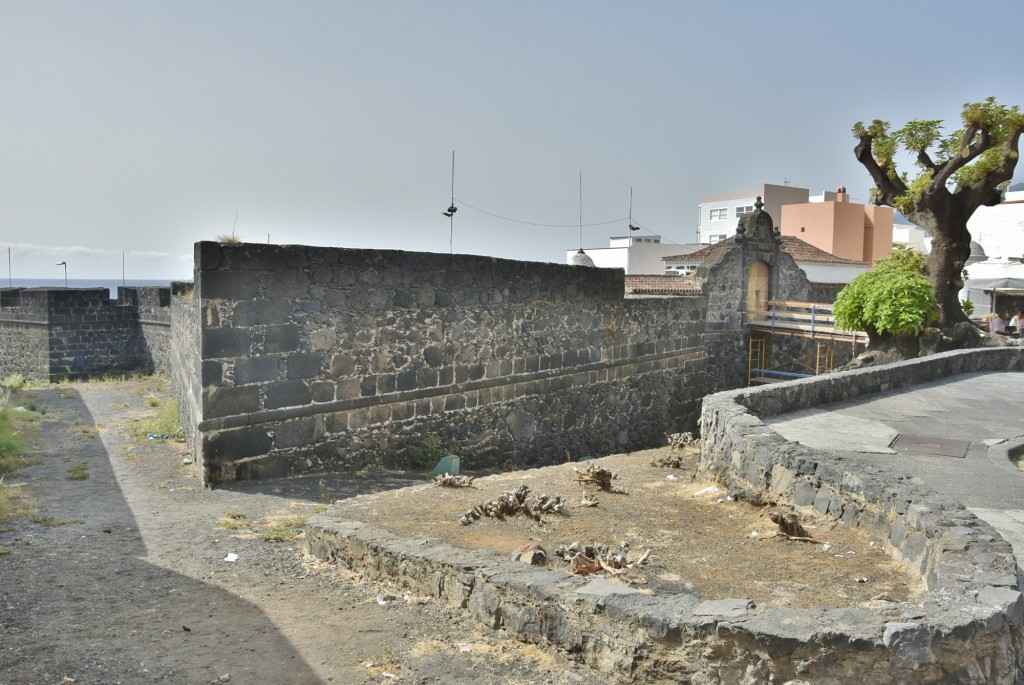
[979,416]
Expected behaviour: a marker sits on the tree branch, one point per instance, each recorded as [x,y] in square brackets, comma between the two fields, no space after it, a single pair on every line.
[984,192]
[888,188]
[959,160]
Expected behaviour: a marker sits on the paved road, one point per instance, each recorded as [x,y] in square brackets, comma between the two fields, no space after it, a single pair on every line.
[984,409]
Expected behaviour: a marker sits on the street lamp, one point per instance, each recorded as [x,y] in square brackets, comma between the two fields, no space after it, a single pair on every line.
[65,265]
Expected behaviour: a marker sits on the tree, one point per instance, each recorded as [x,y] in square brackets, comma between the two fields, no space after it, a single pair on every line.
[965,170]
[894,299]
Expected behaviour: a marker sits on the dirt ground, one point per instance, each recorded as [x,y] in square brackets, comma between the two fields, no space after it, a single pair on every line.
[702,540]
[121,577]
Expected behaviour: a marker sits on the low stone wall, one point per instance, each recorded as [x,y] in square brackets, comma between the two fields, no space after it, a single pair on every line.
[970,629]
[966,629]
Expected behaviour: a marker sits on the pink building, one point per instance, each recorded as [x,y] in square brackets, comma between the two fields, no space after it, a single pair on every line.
[840,227]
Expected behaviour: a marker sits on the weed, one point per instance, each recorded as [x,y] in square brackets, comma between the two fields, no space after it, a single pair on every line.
[165,421]
[287,528]
[234,514]
[426,454]
[30,404]
[44,410]
[279,534]
[11,446]
[13,382]
[52,522]
[321,508]
[78,472]
[152,402]
[4,551]
[323,491]
[230,524]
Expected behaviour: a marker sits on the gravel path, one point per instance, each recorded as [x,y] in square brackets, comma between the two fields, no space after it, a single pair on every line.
[133,587]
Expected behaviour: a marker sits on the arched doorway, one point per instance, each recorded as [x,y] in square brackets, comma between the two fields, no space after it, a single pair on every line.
[757,291]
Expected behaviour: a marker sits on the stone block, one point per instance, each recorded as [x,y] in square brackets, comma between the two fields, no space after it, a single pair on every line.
[226,342]
[290,393]
[342,364]
[281,338]
[260,313]
[228,285]
[236,443]
[256,369]
[305,365]
[295,432]
[230,401]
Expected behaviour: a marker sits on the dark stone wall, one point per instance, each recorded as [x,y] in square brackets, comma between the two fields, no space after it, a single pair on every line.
[54,333]
[186,363]
[320,358]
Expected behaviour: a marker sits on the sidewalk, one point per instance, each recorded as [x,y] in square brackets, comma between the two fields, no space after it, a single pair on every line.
[984,409]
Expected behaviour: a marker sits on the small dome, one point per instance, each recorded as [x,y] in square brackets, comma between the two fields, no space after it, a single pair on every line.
[581,258]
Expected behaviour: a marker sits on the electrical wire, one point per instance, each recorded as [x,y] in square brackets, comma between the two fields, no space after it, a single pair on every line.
[531,223]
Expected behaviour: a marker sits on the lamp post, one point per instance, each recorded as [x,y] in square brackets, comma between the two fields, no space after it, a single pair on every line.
[65,265]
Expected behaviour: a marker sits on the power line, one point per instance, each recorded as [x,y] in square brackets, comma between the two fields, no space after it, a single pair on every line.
[531,223]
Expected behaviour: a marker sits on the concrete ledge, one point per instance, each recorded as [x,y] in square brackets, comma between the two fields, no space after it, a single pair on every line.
[965,629]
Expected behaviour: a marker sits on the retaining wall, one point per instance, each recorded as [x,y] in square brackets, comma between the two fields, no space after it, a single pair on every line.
[966,629]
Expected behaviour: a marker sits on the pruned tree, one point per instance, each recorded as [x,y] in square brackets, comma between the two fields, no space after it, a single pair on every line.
[967,169]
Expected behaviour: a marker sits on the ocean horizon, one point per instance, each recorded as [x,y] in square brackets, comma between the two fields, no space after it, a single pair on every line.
[111,284]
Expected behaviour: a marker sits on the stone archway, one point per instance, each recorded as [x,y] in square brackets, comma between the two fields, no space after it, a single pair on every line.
[758,285]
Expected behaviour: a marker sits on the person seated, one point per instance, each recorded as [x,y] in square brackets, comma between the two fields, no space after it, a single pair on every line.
[997,324]
[1018,320]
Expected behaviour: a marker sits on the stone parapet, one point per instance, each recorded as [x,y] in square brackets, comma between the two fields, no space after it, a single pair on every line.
[966,628]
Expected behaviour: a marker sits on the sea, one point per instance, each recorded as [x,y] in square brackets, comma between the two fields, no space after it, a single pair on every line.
[111,284]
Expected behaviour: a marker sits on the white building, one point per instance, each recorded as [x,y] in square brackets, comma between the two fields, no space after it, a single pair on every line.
[719,213]
[1000,229]
[636,255]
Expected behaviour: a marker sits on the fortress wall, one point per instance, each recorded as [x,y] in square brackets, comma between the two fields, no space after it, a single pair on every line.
[325,358]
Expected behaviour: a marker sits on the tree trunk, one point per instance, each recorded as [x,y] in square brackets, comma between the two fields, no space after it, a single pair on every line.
[951,246]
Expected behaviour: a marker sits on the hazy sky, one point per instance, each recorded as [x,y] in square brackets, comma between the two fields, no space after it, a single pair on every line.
[143,127]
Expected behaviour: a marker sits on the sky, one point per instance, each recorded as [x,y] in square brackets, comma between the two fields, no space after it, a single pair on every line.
[135,129]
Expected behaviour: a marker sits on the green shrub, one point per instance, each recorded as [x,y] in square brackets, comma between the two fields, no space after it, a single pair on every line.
[894,298]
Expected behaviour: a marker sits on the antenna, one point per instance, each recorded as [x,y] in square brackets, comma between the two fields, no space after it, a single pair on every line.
[451,209]
[632,227]
[581,211]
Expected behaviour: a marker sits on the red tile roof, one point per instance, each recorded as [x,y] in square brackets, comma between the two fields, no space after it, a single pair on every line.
[669,284]
[798,249]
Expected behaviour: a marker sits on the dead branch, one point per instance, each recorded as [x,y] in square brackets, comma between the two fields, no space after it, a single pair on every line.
[587,501]
[789,525]
[680,440]
[514,502]
[584,559]
[596,475]
[448,481]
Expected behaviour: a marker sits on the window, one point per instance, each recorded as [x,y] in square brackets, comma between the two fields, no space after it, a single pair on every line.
[718,214]
[740,211]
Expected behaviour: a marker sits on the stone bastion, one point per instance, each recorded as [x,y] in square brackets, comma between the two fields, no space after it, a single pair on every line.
[967,627]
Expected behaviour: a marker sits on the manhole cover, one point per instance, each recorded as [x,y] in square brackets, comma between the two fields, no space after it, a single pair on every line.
[916,444]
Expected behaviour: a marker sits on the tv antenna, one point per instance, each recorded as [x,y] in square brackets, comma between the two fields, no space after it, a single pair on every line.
[451,209]
[632,226]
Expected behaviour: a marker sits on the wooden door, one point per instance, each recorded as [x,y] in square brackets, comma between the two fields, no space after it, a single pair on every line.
[757,291]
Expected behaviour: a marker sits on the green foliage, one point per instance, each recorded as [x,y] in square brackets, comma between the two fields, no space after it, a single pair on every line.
[968,307]
[893,298]
[14,382]
[426,454]
[978,148]
[166,421]
[11,445]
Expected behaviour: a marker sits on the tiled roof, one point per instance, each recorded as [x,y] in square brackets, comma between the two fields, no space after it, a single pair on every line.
[798,249]
[660,285]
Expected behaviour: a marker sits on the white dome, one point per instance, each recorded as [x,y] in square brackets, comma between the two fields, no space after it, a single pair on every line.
[581,258]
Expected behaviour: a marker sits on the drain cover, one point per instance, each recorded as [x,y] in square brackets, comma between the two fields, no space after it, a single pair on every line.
[916,444]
